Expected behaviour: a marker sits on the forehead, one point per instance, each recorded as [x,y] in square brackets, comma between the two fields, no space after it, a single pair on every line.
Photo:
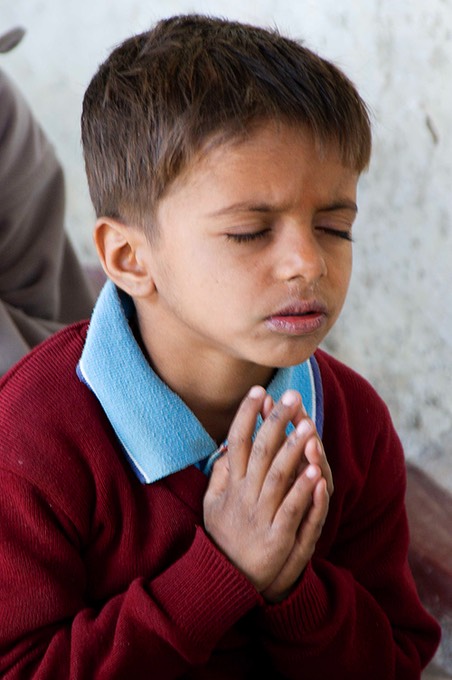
[259,137]
[274,160]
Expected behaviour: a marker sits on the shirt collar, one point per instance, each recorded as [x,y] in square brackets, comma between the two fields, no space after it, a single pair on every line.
[158,431]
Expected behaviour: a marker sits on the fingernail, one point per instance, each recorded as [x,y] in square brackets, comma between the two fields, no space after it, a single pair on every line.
[311,472]
[289,398]
[303,427]
[256,392]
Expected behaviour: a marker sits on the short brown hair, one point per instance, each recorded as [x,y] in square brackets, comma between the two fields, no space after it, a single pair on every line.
[162,94]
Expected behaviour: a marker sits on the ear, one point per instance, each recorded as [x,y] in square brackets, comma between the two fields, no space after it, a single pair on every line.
[121,251]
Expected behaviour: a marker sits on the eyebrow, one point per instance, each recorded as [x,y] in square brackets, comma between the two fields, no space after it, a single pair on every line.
[344,204]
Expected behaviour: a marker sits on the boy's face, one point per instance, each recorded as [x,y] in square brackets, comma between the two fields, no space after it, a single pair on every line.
[253,258]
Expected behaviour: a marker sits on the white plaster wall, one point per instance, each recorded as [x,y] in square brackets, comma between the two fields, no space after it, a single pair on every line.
[396,328]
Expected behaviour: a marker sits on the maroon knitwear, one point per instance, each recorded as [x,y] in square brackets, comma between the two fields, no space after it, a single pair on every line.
[104,577]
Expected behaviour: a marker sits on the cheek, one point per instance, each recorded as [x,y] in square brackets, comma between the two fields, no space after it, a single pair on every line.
[340,274]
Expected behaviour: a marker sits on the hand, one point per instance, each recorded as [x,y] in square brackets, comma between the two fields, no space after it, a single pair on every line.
[267,500]
[314,448]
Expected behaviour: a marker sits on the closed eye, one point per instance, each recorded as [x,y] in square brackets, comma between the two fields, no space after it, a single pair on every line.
[339,233]
[246,238]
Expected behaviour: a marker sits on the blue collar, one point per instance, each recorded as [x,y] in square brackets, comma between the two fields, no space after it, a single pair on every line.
[159,433]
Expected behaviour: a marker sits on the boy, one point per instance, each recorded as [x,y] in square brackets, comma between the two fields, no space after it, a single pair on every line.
[167,503]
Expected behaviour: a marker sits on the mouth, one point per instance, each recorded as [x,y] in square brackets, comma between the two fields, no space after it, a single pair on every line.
[300,318]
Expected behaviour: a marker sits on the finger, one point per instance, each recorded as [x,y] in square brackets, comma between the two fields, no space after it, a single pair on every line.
[287,465]
[219,476]
[301,413]
[271,436]
[267,407]
[311,527]
[242,429]
[297,501]
[307,537]
[315,454]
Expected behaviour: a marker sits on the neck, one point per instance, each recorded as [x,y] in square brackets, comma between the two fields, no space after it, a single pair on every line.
[215,393]
[212,386]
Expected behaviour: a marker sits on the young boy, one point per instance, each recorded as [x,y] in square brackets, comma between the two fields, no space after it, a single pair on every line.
[167,506]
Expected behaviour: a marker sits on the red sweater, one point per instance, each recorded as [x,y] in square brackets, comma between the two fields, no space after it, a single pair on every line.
[104,577]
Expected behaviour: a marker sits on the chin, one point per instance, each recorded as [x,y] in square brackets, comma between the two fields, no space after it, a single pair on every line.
[288,358]
[293,353]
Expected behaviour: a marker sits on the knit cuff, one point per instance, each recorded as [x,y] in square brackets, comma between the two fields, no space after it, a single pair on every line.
[205,593]
[300,613]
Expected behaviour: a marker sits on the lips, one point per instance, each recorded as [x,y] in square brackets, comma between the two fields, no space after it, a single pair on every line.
[302,308]
[299,318]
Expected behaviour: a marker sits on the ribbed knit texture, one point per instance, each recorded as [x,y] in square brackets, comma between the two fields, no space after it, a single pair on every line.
[103,577]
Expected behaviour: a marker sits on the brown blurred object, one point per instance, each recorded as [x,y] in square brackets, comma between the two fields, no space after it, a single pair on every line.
[429,508]
[11,38]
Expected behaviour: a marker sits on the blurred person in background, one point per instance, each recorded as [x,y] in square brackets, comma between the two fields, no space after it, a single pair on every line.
[42,284]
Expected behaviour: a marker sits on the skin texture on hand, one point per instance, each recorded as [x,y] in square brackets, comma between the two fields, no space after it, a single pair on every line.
[267,499]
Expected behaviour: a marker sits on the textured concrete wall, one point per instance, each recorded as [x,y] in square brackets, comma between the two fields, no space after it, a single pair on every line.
[397,325]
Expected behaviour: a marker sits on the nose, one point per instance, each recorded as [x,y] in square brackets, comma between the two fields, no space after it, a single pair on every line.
[301,256]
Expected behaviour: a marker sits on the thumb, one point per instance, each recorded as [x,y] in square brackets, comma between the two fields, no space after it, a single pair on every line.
[220,471]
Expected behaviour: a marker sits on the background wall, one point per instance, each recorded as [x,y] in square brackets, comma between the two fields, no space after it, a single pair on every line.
[396,328]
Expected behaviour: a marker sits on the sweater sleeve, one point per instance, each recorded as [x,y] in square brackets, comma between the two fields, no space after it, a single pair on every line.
[100,576]
[50,628]
[356,613]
